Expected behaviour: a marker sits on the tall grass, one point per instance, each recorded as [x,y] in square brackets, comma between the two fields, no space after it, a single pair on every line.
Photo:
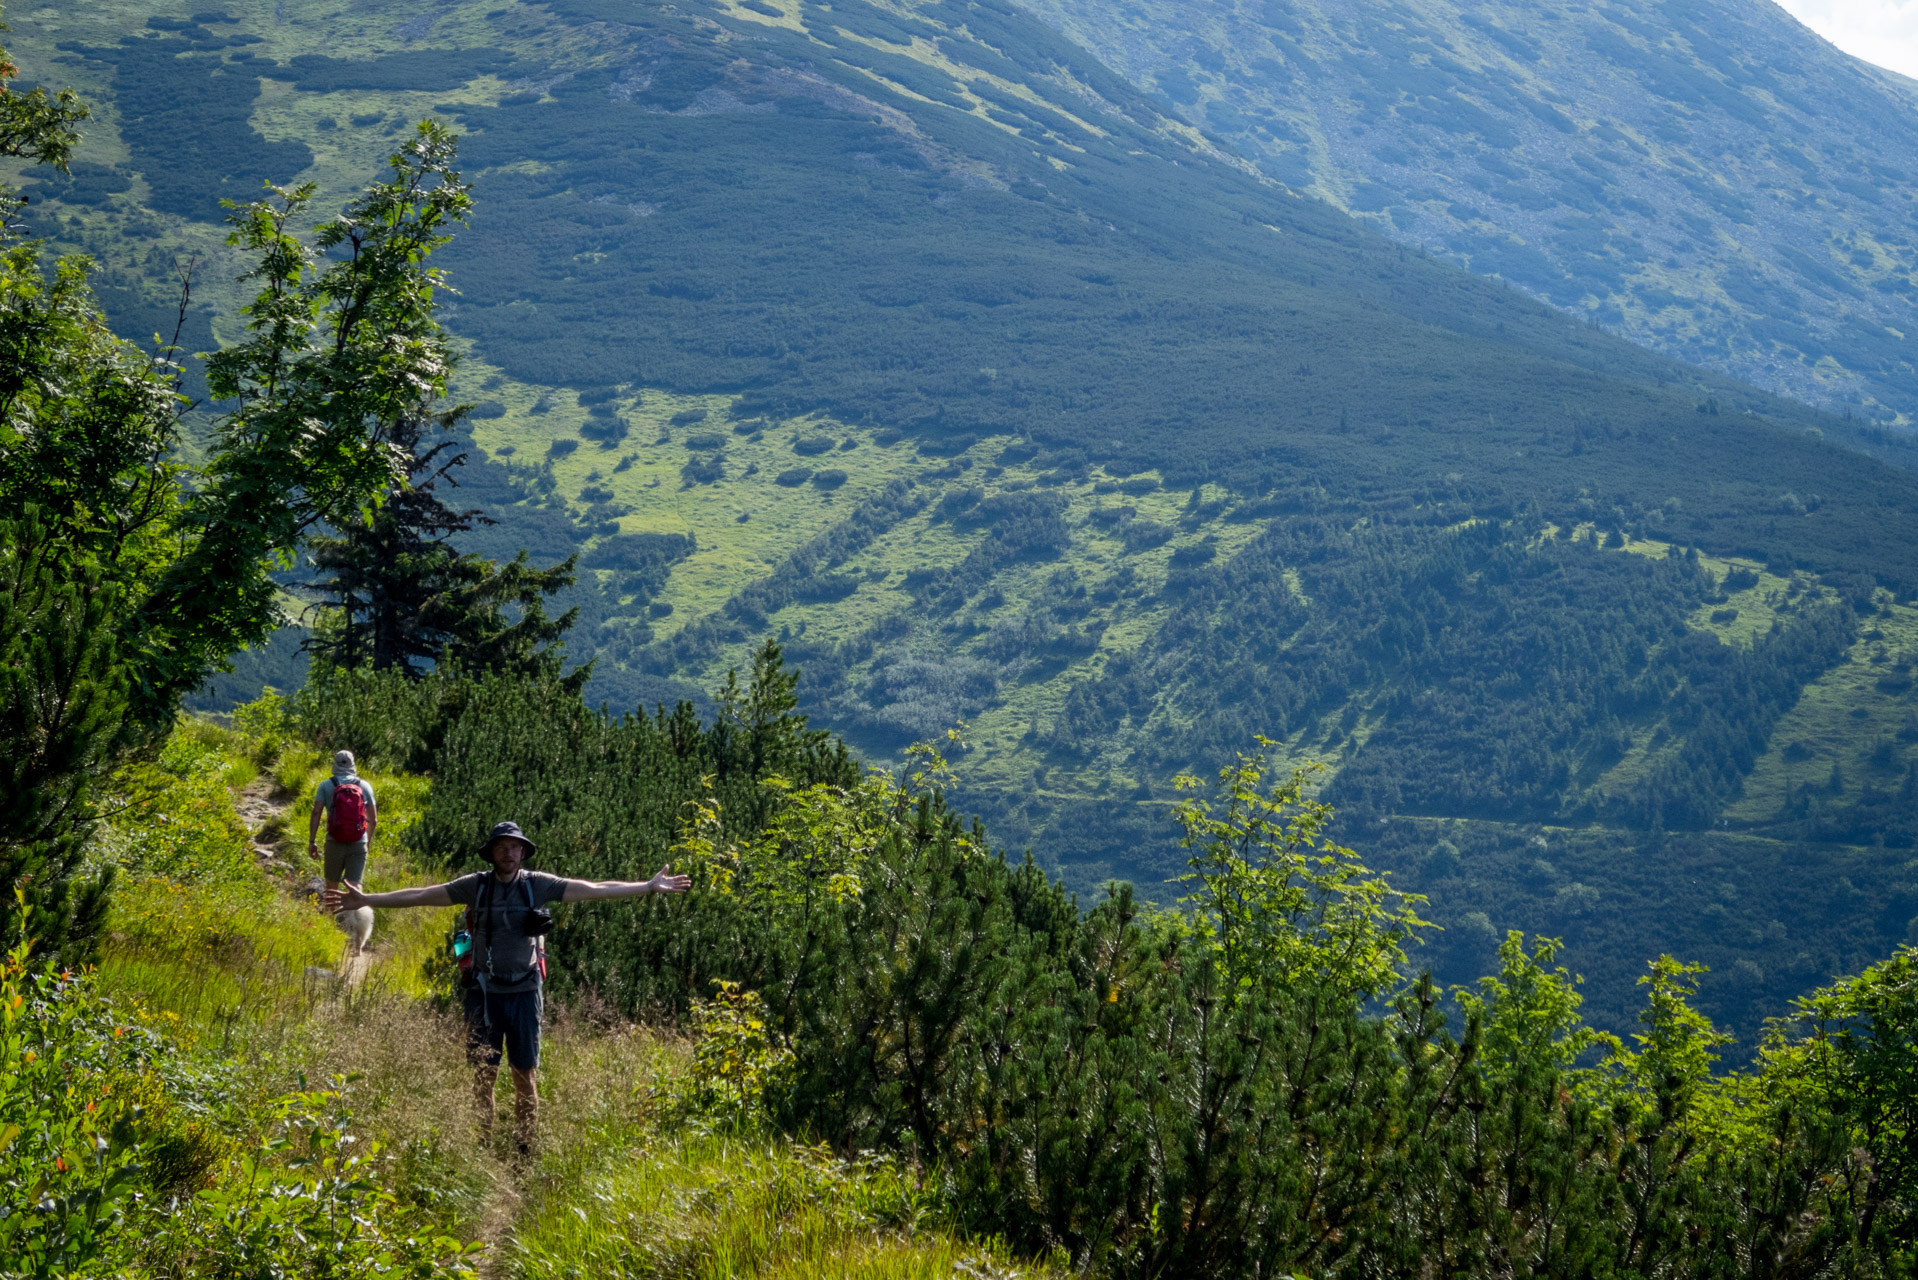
[706,1207]
[207,954]
[238,971]
[198,932]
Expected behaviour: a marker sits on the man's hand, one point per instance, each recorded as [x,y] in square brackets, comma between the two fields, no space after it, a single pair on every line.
[666,882]
[347,898]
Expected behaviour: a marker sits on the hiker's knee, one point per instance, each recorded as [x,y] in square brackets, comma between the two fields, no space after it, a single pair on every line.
[526,1083]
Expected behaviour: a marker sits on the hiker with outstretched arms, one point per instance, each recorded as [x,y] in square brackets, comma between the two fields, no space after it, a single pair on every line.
[346,802]
[502,987]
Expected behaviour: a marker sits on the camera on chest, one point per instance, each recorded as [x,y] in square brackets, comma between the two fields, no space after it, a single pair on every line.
[498,909]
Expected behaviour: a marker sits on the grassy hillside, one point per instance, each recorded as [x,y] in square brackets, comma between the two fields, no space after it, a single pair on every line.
[258,1052]
[1710,179]
[1099,655]
[934,1056]
[920,339]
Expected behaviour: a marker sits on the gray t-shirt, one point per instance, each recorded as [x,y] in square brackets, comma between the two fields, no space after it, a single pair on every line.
[503,955]
[327,788]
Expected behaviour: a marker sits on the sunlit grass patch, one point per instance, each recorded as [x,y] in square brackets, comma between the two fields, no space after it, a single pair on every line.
[208,953]
[178,825]
[707,1207]
[1754,599]
[1856,724]
[767,14]
[299,770]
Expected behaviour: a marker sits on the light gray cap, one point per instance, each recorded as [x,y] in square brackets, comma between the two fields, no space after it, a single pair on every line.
[342,764]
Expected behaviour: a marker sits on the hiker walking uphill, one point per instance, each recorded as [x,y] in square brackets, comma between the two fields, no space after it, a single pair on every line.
[503,969]
[346,801]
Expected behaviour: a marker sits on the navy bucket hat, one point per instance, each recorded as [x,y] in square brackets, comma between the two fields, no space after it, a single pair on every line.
[502,831]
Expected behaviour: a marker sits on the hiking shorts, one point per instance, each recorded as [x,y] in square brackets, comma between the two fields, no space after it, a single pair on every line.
[345,861]
[510,1020]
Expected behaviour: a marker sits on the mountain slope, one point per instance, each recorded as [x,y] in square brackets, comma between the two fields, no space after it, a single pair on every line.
[921,340]
[1708,178]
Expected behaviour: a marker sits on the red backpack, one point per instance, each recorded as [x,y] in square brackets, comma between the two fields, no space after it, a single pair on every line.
[346,821]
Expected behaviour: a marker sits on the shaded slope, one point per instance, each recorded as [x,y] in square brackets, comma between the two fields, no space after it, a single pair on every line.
[743,222]
[1710,178]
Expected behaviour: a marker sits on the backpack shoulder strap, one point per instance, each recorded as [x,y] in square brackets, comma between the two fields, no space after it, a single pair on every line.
[481,901]
[539,943]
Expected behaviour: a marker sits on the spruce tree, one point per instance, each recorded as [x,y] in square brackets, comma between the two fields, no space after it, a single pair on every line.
[383,568]
[404,598]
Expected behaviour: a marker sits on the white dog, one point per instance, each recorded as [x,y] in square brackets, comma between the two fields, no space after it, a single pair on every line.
[357,924]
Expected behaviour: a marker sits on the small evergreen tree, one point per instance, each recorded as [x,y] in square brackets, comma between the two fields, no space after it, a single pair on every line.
[63,701]
[403,597]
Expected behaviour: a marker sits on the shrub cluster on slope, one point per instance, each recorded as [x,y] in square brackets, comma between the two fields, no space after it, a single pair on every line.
[1245,1085]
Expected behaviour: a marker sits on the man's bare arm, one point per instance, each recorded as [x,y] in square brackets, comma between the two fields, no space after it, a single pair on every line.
[664,882]
[313,825]
[349,897]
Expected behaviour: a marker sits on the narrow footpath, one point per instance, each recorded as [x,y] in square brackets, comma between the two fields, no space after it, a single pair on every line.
[261,809]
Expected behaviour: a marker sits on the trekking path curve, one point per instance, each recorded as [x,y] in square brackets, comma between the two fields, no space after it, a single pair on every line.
[262,810]
[258,804]
[255,806]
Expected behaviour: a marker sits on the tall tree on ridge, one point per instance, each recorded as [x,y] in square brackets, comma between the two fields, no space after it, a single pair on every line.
[400,595]
[121,585]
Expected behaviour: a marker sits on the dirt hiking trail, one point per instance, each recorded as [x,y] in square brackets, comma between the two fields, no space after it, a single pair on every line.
[273,820]
[263,810]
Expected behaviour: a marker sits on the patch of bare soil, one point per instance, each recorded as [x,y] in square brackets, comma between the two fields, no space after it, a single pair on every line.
[257,808]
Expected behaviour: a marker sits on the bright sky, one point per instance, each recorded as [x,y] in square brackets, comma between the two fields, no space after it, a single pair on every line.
[1880,31]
